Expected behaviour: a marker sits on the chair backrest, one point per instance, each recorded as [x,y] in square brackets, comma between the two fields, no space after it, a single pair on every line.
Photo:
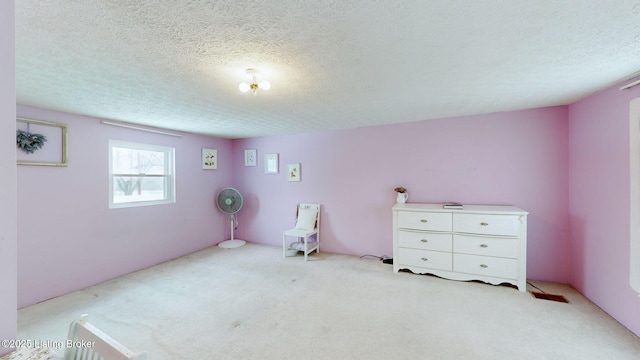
[308,216]
[86,342]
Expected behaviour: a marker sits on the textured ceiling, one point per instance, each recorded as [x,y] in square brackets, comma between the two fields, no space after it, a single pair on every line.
[333,64]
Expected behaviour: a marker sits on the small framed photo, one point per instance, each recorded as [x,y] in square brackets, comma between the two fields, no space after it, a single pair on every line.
[271,163]
[250,158]
[293,172]
[209,159]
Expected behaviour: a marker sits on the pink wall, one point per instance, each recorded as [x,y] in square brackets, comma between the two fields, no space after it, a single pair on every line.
[517,158]
[8,185]
[599,202]
[68,236]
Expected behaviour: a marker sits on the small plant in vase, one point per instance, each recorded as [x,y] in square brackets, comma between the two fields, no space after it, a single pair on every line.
[403,195]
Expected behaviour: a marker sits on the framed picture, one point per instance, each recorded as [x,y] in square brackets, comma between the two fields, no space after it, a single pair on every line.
[209,159]
[293,172]
[271,163]
[250,157]
[41,143]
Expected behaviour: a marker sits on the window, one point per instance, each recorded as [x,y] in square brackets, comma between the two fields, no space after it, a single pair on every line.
[140,174]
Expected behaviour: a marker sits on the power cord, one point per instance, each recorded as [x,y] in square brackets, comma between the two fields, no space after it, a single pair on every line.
[542,291]
[384,258]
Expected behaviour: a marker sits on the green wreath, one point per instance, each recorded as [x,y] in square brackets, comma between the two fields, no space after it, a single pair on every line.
[29,142]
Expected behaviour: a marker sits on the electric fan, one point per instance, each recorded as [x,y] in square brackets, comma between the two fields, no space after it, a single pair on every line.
[229,201]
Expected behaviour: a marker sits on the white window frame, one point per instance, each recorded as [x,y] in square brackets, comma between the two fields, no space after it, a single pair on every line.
[169,175]
[634,211]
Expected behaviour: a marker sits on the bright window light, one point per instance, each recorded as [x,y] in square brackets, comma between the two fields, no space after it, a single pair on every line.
[140,174]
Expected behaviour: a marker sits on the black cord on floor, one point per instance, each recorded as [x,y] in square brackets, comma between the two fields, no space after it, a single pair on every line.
[542,291]
[381,258]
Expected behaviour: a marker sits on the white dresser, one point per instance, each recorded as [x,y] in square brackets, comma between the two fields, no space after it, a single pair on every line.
[479,242]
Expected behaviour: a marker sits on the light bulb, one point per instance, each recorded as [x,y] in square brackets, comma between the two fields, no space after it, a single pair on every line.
[265,85]
[244,87]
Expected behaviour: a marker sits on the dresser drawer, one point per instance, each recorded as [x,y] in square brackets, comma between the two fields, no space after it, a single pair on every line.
[424,240]
[487,246]
[490,224]
[433,221]
[424,258]
[485,265]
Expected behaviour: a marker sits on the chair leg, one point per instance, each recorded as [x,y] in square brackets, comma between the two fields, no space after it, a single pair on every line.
[284,245]
[306,253]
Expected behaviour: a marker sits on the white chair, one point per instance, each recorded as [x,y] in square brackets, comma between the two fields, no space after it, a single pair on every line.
[307,225]
[84,342]
[101,345]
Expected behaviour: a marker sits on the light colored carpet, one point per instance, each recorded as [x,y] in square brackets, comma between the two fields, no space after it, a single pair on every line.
[251,303]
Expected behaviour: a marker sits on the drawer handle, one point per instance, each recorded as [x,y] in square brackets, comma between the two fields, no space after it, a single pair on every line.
[484,224]
[424,240]
[424,259]
[484,245]
[484,266]
[423,220]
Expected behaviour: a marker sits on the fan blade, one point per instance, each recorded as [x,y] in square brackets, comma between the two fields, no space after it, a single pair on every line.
[229,201]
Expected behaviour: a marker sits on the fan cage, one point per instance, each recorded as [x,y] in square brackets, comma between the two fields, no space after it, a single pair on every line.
[229,201]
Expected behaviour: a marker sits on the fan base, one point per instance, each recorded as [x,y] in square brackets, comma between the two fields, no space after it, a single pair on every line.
[231,244]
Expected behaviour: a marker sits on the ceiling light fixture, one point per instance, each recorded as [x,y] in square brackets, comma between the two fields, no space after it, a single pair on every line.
[254,75]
